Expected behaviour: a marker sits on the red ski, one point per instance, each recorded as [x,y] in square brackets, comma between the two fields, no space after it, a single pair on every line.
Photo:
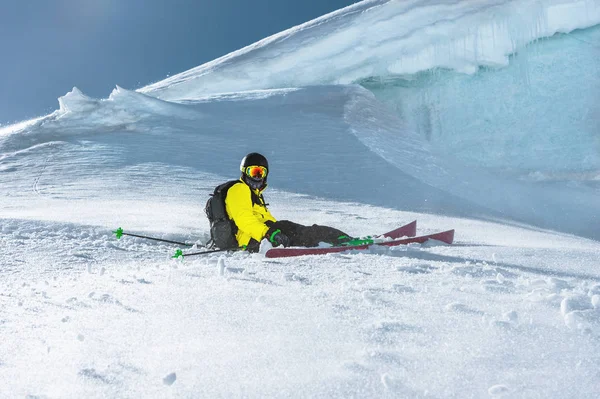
[408,230]
[445,236]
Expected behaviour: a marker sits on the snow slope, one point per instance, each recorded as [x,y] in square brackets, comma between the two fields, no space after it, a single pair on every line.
[511,310]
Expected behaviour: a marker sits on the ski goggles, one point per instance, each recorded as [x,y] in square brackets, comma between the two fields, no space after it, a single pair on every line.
[256,172]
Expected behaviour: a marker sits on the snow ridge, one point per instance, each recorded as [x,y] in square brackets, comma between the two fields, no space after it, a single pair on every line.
[382,38]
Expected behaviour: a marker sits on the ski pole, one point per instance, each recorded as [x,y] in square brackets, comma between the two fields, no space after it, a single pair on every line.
[179,253]
[119,233]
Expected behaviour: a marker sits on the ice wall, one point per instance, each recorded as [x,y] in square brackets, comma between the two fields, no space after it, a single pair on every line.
[537,119]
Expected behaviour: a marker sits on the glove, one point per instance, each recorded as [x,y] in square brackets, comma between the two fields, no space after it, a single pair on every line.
[277,238]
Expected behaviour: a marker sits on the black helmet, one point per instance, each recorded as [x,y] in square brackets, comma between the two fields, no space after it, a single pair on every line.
[254,159]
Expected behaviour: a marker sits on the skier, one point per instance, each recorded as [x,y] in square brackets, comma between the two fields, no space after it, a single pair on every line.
[246,207]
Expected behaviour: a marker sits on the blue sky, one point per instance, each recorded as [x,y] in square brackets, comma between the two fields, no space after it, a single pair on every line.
[48,47]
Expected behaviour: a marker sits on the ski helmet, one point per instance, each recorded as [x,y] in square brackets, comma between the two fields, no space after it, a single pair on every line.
[254,159]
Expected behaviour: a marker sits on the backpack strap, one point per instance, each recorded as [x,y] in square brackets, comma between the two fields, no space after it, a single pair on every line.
[258,199]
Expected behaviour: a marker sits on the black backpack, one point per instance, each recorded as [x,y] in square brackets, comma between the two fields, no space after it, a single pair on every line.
[222,228]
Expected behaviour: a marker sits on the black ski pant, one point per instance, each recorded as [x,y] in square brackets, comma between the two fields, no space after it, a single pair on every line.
[308,236]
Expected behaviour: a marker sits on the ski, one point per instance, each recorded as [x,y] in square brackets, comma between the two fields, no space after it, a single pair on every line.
[444,236]
[408,230]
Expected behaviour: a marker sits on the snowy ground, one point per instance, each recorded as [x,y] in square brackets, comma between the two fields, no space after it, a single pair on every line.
[505,310]
[512,309]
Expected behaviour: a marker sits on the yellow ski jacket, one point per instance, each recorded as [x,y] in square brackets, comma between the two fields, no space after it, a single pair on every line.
[248,216]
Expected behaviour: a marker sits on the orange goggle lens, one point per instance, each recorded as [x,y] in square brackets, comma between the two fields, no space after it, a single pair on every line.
[256,172]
